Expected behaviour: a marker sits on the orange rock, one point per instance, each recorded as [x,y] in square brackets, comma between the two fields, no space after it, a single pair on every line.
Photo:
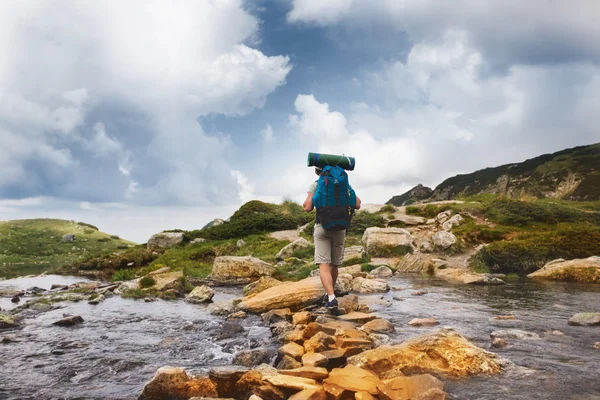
[314,360]
[296,336]
[315,373]
[301,318]
[443,353]
[348,342]
[356,316]
[354,379]
[312,328]
[292,382]
[335,392]
[310,394]
[378,325]
[364,396]
[292,349]
[423,322]
[289,294]
[174,382]
[409,387]
[318,343]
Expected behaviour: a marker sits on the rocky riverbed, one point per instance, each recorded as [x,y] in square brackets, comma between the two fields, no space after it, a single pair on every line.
[121,343]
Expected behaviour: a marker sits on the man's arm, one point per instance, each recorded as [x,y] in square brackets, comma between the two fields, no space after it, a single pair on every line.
[358,203]
[308,202]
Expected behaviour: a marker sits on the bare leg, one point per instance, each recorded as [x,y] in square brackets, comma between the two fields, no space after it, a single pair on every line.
[334,274]
[326,274]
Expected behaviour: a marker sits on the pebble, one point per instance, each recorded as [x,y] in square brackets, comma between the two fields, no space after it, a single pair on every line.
[419,293]
[499,343]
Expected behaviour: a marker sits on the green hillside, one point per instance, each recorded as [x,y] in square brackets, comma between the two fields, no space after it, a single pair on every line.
[31,246]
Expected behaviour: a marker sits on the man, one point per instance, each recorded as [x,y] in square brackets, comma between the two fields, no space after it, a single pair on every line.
[329,248]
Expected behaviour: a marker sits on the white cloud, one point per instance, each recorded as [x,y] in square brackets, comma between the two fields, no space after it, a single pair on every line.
[71,87]
[322,12]
[267,134]
[245,189]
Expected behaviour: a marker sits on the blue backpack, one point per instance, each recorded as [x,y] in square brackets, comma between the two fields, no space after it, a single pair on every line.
[334,199]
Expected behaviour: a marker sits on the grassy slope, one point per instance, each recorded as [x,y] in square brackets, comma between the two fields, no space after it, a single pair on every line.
[35,245]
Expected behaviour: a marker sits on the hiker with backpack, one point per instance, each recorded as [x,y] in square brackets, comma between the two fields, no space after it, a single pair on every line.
[335,201]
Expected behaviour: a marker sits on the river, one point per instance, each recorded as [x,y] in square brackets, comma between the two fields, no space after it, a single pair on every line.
[123,342]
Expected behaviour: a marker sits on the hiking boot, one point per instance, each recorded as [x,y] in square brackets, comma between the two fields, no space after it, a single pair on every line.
[331,304]
[324,299]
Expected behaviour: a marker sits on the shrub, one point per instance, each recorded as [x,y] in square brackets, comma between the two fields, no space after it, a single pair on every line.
[147,281]
[528,253]
[139,256]
[88,231]
[363,220]
[388,208]
[104,239]
[391,251]
[88,225]
[474,233]
[306,252]
[116,237]
[429,211]
[133,294]
[123,275]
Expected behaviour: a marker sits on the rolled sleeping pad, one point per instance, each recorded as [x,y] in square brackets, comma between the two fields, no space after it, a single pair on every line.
[321,160]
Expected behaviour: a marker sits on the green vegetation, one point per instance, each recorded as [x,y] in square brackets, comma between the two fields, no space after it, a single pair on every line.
[530,251]
[134,294]
[256,217]
[32,246]
[363,220]
[147,281]
[123,275]
[388,208]
[392,251]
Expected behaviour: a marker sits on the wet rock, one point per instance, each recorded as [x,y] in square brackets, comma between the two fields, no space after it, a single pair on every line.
[8,339]
[230,329]
[165,240]
[585,319]
[254,357]
[315,373]
[362,285]
[503,318]
[7,322]
[15,299]
[200,294]
[381,272]
[94,300]
[226,377]
[353,252]
[443,352]
[170,382]
[58,287]
[423,322]
[260,285]
[463,276]
[237,315]
[314,360]
[443,240]
[280,328]
[288,362]
[69,321]
[354,379]
[514,334]
[579,270]
[378,325]
[240,268]
[292,349]
[225,307]
[597,345]
[272,316]
[419,293]
[377,240]
[288,250]
[499,343]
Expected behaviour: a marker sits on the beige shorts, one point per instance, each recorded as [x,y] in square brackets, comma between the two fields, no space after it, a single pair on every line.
[329,246]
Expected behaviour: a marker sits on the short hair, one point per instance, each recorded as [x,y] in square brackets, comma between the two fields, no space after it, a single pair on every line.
[318,170]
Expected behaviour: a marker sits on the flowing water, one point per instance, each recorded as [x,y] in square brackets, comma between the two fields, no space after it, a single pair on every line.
[123,342]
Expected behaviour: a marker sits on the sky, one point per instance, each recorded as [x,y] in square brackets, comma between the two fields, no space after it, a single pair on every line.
[142,116]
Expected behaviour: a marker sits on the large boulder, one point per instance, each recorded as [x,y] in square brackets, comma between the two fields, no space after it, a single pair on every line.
[443,240]
[381,240]
[214,222]
[381,272]
[167,280]
[165,240]
[579,270]
[444,352]
[407,219]
[354,252]
[258,286]
[288,250]
[241,269]
[455,220]
[294,295]
[463,276]
[170,382]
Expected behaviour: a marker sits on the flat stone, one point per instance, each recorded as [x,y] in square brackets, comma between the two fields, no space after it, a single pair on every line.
[382,272]
[292,382]
[378,325]
[354,379]
[69,321]
[309,394]
[292,349]
[514,334]
[423,322]
[200,294]
[249,268]
[357,317]
[578,270]
[313,328]
[585,319]
[301,318]
[318,343]
[314,360]
[499,343]
[348,342]
[315,373]
[288,362]
[272,316]
[411,387]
